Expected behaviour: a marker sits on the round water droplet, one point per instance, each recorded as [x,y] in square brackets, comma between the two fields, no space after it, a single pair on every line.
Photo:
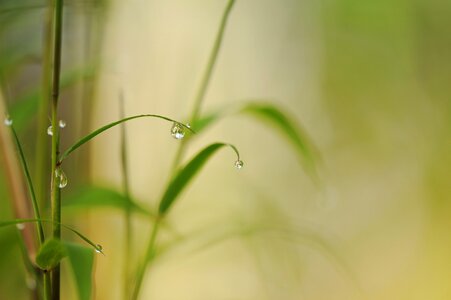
[62,123]
[177,131]
[50,130]
[99,248]
[61,179]
[20,226]
[239,164]
[188,125]
[8,121]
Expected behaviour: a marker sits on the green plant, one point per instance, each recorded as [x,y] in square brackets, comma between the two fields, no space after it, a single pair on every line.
[44,264]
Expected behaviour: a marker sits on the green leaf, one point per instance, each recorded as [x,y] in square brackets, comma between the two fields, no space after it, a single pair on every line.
[34,201]
[50,254]
[187,173]
[82,261]
[108,126]
[97,247]
[94,196]
[280,121]
[277,119]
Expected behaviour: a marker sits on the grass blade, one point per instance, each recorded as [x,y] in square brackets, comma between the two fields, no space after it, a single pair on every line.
[96,247]
[50,254]
[108,126]
[82,262]
[187,173]
[277,119]
[30,186]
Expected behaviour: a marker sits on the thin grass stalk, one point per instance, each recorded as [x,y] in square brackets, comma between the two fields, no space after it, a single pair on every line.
[200,94]
[198,100]
[55,190]
[127,215]
[148,257]
[16,185]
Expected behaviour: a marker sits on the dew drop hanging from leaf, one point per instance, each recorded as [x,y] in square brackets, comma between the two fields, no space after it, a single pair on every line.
[177,131]
[62,123]
[239,164]
[50,130]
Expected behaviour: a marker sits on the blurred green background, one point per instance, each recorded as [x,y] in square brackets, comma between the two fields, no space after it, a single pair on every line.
[369,81]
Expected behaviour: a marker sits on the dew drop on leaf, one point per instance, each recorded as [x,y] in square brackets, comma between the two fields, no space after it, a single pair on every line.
[239,164]
[99,248]
[20,226]
[50,130]
[177,131]
[62,123]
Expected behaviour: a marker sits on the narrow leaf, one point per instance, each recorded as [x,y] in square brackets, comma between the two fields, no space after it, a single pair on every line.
[82,261]
[108,126]
[277,119]
[94,196]
[187,173]
[50,254]
[96,247]
[280,121]
[34,201]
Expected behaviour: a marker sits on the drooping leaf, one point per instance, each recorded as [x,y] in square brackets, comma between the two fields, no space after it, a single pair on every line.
[94,196]
[97,247]
[277,119]
[82,261]
[187,173]
[50,254]
[93,134]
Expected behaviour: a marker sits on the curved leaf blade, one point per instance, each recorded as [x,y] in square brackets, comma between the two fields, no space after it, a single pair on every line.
[186,174]
[96,247]
[280,121]
[50,254]
[93,134]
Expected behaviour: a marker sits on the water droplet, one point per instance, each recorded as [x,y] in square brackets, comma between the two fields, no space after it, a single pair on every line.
[8,121]
[239,164]
[61,178]
[62,123]
[188,125]
[177,131]
[99,248]
[20,226]
[50,130]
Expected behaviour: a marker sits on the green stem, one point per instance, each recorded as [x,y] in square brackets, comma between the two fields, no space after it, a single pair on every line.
[55,190]
[198,99]
[148,257]
[127,217]
[200,94]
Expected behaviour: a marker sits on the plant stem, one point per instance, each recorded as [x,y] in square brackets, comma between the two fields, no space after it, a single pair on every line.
[148,257]
[127,217]
[200,94]
[55,190]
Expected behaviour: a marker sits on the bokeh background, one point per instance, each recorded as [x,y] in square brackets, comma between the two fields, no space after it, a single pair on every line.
[367,80]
